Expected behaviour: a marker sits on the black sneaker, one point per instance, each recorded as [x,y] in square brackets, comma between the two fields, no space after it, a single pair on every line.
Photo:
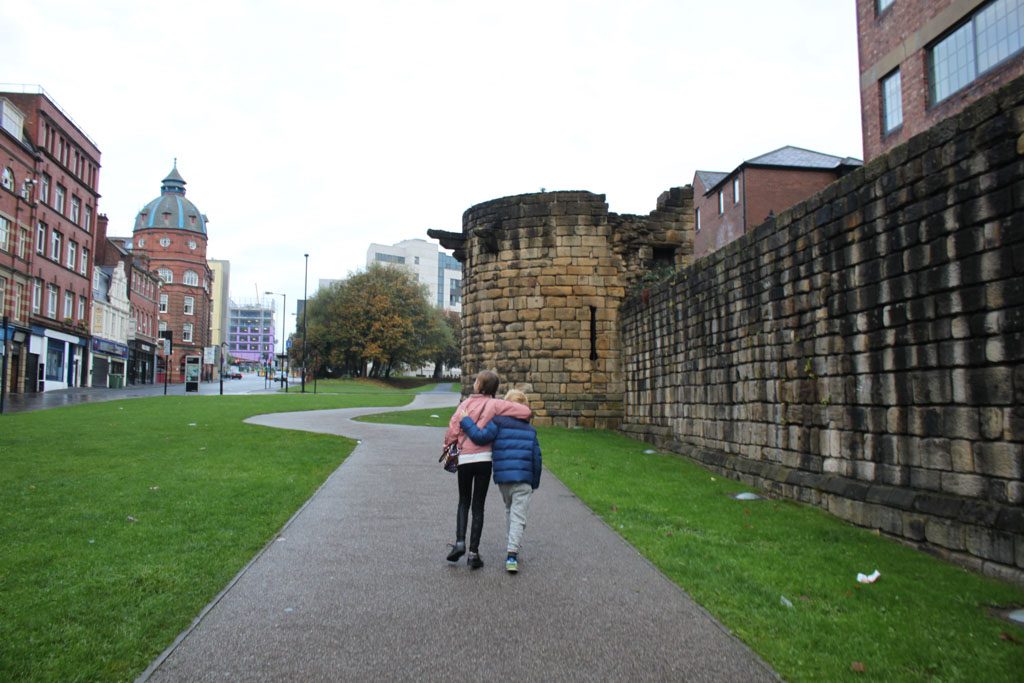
[456,551]
[474,561]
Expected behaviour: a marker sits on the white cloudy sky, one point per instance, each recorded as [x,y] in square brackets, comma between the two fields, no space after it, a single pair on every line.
[319,127]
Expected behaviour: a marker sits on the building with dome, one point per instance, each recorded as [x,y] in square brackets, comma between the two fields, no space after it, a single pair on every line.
[171,233]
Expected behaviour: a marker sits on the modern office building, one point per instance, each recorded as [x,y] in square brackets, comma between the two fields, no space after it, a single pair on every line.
[436,269]
[922,61]
[251,334]
[221,300]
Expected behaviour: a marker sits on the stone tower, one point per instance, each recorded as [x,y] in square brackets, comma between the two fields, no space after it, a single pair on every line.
[543,276]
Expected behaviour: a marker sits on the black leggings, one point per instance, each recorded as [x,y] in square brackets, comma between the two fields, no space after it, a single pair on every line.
[474,478]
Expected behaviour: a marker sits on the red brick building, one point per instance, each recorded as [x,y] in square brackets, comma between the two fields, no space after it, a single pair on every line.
[729,204]
[922,61]
[171,233]
[50,177]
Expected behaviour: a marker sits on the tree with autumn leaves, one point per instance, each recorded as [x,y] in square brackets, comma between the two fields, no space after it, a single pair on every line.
[373,323]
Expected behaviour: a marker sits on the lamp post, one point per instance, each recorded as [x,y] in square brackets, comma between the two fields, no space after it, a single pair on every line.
[284,308]
[305,306]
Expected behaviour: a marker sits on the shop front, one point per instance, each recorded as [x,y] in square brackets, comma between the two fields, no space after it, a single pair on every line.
[141,362]
[109,362]
[56,360]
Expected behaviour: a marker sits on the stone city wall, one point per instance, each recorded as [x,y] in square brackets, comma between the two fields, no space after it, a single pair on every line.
[863,352]
[545,275]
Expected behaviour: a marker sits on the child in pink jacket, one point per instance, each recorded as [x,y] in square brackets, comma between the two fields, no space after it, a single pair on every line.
[474,471]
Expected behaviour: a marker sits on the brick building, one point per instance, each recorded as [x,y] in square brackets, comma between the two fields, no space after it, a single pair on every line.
[171,233]
[143,294]
[50,180]
[922,61]
[730,204]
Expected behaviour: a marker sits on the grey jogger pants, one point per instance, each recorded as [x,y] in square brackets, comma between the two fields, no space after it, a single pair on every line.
[517,502]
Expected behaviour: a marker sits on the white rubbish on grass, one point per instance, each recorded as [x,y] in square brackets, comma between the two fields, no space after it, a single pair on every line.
[868,578]
[784,601]
[435,416]
[747,496]
[1017,615]
[650,451]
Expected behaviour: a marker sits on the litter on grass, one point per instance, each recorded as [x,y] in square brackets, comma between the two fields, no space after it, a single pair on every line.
[1017,615]
[650,451]
[746,495]
[784,601]
[435,416]
[868,578]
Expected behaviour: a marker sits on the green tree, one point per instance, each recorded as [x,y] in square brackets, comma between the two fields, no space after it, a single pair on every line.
[378,318]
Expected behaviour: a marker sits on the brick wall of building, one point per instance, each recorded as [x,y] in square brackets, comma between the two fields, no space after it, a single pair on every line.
[865,351]
[899,37]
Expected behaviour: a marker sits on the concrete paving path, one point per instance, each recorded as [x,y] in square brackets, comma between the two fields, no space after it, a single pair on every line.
[356,587]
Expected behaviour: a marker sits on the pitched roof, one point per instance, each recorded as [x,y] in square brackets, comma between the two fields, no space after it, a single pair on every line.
[711,178]
[796,157]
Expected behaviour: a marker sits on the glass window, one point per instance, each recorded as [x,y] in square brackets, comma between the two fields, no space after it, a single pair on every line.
[5,230]
[186,332]
[892,102]
[19,294]
[69,304]
[23,243]
[44,190]
[163,303]
[72,254]
[87,223]
[81,308]
[55,360]
[58,198]
[51,301]
[7,179]
[3,296]
[191,278]
[735,190]
[161,326]
[55,245]
[882,5]
[41,238]
[85,261]
[166,275]
[76,209]
[37,295]
[990,36]
[190,305]
[721,203]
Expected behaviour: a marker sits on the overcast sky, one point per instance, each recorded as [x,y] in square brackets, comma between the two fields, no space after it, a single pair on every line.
[320,127]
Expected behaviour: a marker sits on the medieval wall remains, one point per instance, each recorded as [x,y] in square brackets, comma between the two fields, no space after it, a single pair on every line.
[545,275]
[865,351]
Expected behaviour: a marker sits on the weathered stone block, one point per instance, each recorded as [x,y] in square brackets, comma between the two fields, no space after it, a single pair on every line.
[999,459]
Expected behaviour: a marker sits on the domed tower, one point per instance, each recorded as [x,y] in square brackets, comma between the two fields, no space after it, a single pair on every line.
[171,233]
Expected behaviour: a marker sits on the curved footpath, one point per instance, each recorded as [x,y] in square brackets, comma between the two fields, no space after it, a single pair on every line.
[356,587]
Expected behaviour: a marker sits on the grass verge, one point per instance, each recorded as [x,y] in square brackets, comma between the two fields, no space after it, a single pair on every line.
[121,520]
[924,620]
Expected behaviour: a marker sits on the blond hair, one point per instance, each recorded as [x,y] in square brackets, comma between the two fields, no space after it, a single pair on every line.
[516,396]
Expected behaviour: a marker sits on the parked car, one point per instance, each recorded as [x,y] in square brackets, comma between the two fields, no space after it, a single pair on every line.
[233,373]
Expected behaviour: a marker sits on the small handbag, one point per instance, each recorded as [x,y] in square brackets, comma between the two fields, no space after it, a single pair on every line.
[450,457]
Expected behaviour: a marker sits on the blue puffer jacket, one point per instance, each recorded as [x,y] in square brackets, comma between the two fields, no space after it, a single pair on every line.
[515,450]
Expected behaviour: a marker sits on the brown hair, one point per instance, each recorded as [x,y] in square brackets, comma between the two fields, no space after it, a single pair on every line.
[487,383]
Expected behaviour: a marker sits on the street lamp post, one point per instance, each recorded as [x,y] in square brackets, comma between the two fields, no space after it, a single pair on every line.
[284,320]
[305,307]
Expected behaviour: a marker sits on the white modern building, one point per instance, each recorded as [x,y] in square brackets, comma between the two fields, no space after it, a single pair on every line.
[436,269]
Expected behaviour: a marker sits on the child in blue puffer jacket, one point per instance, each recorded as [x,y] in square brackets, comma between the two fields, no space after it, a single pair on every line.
[515,453]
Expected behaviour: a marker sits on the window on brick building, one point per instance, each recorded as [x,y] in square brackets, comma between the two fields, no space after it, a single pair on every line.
[81,307]
[40,237]
[44,190]
[55,245]
[5,233]
[3,296]
[698,219]
[735,190]
[7,179]
[19,293]
[76,209]
[721,203]
[163,303]
[989,37]
[72,254]
[882,5]
[37,295]
[69,304]
[892,102]
[84,265]
[58,198]
[186,332]
[191,278]
[51,301]
[190,305]
[166,275]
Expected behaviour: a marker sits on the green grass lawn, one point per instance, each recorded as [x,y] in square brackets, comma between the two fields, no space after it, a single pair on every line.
[119,521]
[924,620]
